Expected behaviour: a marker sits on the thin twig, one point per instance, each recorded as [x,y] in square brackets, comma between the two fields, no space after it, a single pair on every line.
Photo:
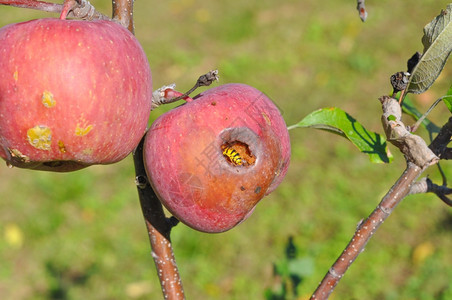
[159,229]
[425,185]
[203,80]
[422,118]
[439,144]
[365,231]
[439,190]
[166,94]
[399,82]
[33,4]
[84,10]
[418,157]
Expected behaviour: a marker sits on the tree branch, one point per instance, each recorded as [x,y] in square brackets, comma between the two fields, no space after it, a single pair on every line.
[419,157]
[412,146]
[83,10]
[447,154]
[365,231]
[159,229]
[158,226]
[123,13]
[33,4]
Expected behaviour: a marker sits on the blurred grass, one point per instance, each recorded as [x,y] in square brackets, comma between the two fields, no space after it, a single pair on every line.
[81,235]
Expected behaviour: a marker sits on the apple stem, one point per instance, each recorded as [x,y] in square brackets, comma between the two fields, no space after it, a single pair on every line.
[173,96]
[203,80]
[167,94]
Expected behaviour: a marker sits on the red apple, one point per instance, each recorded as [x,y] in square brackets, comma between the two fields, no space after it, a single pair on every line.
[72,93]
[212,159]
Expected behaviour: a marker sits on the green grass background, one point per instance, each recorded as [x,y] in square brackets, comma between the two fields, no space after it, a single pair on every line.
[82,236]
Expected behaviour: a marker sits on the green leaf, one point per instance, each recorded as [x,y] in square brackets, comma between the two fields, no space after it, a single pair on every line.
[302,267]
[409,108]
[437,42]
[448,99]
[339,122]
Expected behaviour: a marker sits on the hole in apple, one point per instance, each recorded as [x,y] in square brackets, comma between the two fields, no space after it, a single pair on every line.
[239,146]
[238,153]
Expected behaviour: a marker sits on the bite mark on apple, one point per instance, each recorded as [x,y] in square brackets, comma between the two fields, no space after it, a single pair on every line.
[47,99]
[40,137]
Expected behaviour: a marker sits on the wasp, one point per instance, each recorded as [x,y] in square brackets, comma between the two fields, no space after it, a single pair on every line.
[232,155]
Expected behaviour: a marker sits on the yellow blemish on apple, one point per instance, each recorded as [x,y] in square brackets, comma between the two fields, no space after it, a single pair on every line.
[62,147]
[47,99]
[267,119]
[16,75]
[40,137]
[81,131]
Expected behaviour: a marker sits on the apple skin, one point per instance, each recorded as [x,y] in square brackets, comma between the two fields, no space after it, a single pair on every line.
[72,94]
[186,167]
